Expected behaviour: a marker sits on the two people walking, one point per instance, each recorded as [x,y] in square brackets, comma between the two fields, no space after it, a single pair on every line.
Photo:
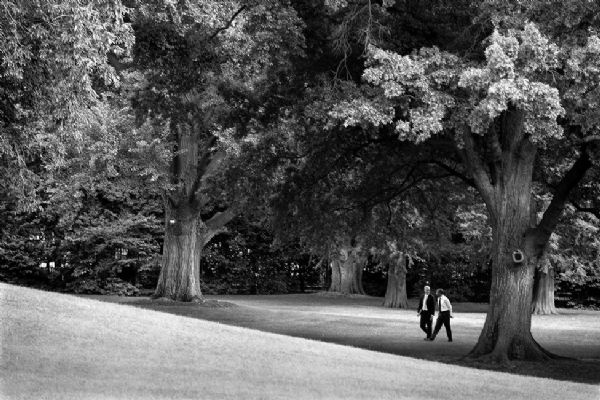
[426,311]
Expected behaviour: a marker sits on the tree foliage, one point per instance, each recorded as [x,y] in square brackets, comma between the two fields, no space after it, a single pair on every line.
[53,64]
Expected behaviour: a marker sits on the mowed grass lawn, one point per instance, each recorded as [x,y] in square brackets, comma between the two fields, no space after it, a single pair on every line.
[360,321]
[57,346]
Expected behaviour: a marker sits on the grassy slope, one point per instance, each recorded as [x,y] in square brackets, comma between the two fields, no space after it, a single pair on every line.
[362,322]
[59,346]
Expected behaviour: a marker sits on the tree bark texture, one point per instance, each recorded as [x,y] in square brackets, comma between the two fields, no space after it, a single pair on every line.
[336,276]
[186,233]
[179,277]
[504,179]
[501,163]
[507,330]
[543,294]
[395,294]
[346,272]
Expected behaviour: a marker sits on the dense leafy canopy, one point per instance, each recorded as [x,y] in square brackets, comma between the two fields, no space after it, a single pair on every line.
[53,66]
[322,122]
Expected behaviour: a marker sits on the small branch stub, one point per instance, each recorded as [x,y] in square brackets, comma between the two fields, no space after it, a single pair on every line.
[172,222]
[518,257]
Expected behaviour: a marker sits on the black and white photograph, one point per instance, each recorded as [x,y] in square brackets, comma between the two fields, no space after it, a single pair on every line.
[300,199]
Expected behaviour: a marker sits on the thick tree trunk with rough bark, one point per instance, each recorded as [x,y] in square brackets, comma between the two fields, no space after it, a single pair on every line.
[395,294]
[186,233]
[505,183]
[351,271]
[346,272]
[503,175]
[543,292]
[507,330]
[179,276]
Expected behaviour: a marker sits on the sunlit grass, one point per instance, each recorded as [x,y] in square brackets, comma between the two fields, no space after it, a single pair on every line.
[59,346]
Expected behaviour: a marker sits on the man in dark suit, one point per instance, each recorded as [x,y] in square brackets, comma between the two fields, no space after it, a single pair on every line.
[426,311]
[444,315]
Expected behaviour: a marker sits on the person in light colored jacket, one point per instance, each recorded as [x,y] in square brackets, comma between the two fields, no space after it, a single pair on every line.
[444,315]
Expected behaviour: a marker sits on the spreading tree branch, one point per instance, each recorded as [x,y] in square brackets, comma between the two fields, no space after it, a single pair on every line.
[561,194]
[207,167]
[223,28]
[495,149]
[590,139]
[476,167]
[454,172]
[220,219]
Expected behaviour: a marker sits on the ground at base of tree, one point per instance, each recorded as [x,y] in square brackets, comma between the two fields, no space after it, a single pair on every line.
[164,301]
[360,321]
[67,347]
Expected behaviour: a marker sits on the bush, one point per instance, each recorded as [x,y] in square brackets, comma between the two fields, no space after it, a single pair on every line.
[113,286]
[119,287]
[579,287]
[245,261]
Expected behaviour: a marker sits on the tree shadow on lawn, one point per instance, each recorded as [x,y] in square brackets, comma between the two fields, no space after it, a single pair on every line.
[318,319]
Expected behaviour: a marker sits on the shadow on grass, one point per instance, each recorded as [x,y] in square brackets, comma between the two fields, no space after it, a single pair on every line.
[368,333]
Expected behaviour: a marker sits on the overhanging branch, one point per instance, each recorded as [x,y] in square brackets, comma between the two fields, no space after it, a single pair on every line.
[207,168]
[495,149]
[590,139]
[561,194]
[220,219]
[454,172]
[476,167]
[233,17]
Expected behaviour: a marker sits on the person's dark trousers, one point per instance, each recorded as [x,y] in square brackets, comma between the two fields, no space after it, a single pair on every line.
[443,318]
[426,323]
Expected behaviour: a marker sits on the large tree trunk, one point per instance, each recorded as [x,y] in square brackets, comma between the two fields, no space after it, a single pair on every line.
[346,272]
[186,233]
[395,294]
[506,189]
[543,293]
[336,276]
[351,271]
[186,236]
[503,174]
[179,276]
[507,330]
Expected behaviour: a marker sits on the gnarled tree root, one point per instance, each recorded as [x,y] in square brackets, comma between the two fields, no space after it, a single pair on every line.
[504,351]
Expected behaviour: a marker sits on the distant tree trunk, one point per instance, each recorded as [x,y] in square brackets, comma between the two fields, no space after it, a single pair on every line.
[543,292]
[322,272]
[358,280]
[395,294]
[351,268]
[301,278]
[336,276]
